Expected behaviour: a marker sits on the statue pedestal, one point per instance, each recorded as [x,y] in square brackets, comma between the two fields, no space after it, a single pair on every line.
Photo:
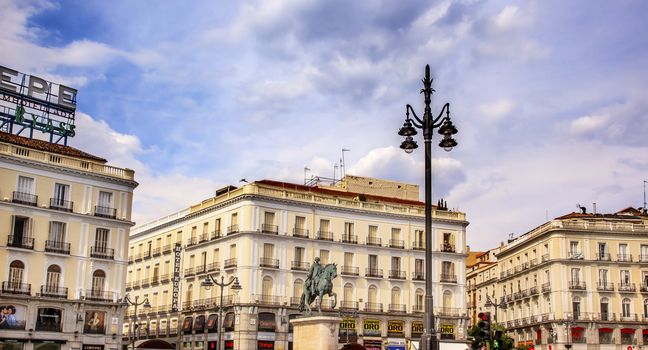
[316,332]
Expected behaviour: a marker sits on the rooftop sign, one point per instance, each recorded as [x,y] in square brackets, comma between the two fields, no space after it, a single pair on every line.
[29,103]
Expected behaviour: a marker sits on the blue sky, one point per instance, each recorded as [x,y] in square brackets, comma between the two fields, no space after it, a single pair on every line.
[548,96]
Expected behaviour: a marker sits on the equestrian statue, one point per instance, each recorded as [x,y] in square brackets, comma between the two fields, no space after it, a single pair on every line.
[318,283]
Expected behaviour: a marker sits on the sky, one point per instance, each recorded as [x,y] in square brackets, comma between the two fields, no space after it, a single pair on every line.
[549,97]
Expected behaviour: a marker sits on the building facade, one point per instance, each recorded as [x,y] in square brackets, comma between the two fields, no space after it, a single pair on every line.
[481,282]
[266,234]
[65,216]
[579,280]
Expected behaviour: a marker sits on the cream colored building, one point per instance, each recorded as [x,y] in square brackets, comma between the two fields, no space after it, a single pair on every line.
[580,279]
[267,233]
[481,281]
[65,217]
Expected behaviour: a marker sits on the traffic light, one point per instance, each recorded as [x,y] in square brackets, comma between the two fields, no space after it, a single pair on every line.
[484,325]
[497,339]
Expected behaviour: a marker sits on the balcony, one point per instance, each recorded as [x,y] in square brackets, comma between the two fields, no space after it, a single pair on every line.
[624,257]
[230,263]
[269,263]
[417,245]
[418,308]
[19,241]
[546,287]
[643,258]
[447,247]
[53,292]
[16,288]
[450,311]
[215,234]
[643,288]
[325,236]
[157,251]
[374,241]
[295,301]
[145,282]
[57,247]
[376,273]
[102,253]
[105,212]
[147,254]
[266,299]
[605,286]
[349,239]
[373,307]
[155,280]
[627,287]
[533,262]
[165,278]
[203,237]
[299,265]
[189,272]
[270,229]
[61,204]
[533,291]
[575,255]
[397,308]
[601,256]
[349,305]
[167,249]
[200,269]
[300,232]
[448,278]
[191,241]
[418,276]
[211,267]
[25,198]
[577,285]
[396,243]
[99,295]
[544,257]
[397,274]
[232,229]
[350,271]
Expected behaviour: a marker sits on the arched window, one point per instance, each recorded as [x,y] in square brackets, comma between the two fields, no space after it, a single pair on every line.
[372,298]
[605,309]
[98,282]
[395,299]
[576,307]
[645,308]
[16,269]
[189,296]
[298,288]
[419,300]
[447,300]
[347,301]
[625,307]
[53,278]
[448,272]
[266,288]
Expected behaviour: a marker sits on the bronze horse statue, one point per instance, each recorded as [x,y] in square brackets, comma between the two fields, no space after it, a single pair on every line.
[323,286]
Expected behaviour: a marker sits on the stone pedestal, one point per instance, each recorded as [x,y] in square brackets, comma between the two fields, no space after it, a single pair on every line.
[316,332]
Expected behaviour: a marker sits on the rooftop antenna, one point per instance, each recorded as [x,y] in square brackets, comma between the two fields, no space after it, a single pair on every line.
[644,183]
[306,169]
[335,167]
[342,164]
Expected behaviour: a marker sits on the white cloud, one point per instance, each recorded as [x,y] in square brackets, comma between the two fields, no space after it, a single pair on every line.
[497,110]
[509,18]
[588,124]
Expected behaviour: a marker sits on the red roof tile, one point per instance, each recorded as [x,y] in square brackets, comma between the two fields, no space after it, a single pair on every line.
[42,145]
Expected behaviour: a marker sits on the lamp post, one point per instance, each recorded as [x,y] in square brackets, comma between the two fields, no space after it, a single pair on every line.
[428,124]
[500,305]
[127,302]
[209,282]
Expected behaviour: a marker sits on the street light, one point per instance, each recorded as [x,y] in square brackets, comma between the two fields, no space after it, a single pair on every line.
[127,302]
[428,124]
[209,282]
[500,305]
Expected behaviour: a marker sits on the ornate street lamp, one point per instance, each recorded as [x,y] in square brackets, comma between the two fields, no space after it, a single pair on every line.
[500,305]
[127,302]
[209,282]
[428,124]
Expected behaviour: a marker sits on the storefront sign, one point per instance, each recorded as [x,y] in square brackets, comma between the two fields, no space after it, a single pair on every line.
[371,328]
[92,347]
[176,278]
[447,331]
[417,329]
[263,344]
[229,345]
[396,329]
[267,322]
[372,344]
[348,324]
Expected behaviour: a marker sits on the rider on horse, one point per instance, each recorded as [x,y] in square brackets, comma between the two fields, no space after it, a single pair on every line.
[314,272]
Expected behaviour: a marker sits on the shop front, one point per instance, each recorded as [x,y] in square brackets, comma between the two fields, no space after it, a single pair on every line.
[348,332]
[372,334]
[395,335]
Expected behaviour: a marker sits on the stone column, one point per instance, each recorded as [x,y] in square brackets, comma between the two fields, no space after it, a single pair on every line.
[316,332]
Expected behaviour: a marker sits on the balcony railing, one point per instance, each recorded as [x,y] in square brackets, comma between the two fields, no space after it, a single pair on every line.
[601,256]
[447,247]
[48,327]
[25,198]
[53,291]
[99,295]
[192,241]
[451,278]
[575,254]
[211,267]
[350,270]
[643,258]
[266,299]
[271,229]
[57,247]
[418,308]
[577,285]
[190,271]
[397,274]
[105,212]
[533,291]
[349,239]
[624,257]
[102,252]
[294,301]
[544,257]
[349,305]
[61,204]
[417,245]
[627,287]
[533,262]
[299,265]
[396,243]
[215,234]
[145,282]
[269,262]
[165,278]
[204,237]
[605,286]
[167,249]
[399,308]
[370,272]
[373,241]
[450,311]
[232,229]
[373,307]
[546,287]
[230,263]
[20,242]
[418,276]
[300,232]
[9,287]
[201,269]
[325,235]
[644,288]
[157,251]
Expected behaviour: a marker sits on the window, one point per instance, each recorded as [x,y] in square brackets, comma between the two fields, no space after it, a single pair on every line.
[105,199]
[396,296]
[575,276]
[189,295]
[419,238]
[419,268]
[25,191]
[448,271]
[348,260]
[16,269]
[324,225]
[625,277]
[234,219]
[53,278]
[605,309]
[448,242]
[266,286]
[61,196]
[603,277]
[395,264]
[21,233]
[419,300]
[300,222]
[625,307]
[269,218]
[576,307]
[395,234]
[98,282]
[348,295]
[268,250]
[645,308]
[372,295]
[233,251]
[101,240]
[574,253]
[298,288]
[643,253]
[324,257]
[348,232]
[373,262]
[602,251]
[299,254]
[447,300]
[372,232]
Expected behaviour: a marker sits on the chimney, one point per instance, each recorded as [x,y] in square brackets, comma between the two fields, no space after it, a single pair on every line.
[594,208]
